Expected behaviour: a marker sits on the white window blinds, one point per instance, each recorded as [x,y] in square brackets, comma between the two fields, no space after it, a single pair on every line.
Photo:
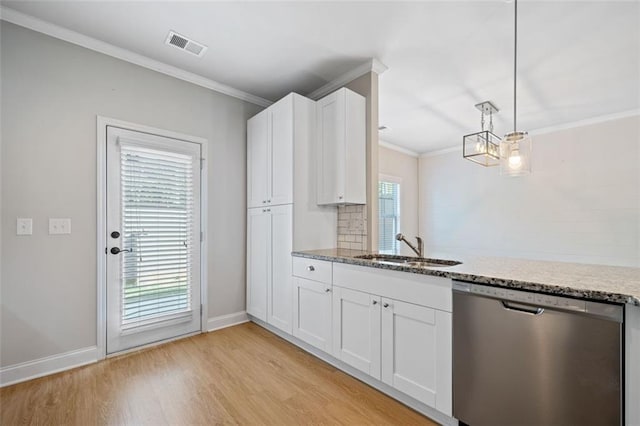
[389,216]
[158,234]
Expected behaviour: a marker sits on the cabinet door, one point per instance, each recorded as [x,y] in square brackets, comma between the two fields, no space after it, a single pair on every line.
[356,329]
[312,313]
[416,352]
[258,261]
[331,148]
[281,156]
[279,292]
[258,173]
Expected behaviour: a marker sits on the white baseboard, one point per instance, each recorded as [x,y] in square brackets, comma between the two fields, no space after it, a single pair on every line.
[223,321]
[44,366]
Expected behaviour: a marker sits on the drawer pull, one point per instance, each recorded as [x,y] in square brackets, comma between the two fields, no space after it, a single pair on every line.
[386,305]
[327,290]
[375,302]
[311,268]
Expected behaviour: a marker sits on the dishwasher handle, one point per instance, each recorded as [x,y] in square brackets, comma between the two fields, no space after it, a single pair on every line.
[525,309]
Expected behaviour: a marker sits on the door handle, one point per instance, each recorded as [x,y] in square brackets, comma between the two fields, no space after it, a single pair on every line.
[116,250]
[531,310]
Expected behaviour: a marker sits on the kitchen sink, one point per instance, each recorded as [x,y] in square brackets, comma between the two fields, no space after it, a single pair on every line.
[416,262]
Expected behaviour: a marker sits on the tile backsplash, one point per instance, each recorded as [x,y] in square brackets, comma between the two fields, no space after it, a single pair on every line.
[352,227]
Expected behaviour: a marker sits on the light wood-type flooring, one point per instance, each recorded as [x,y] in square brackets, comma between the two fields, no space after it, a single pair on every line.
[240,375]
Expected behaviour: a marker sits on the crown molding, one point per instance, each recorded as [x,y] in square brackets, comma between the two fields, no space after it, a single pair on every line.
[551,129]
[56,31]
[440,152]
[372,65]
[397,148]
[585,122]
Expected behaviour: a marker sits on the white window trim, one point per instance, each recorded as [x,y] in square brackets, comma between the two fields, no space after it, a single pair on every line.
[398,180]
[101,138]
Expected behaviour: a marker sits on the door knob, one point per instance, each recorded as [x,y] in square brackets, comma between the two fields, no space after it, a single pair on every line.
[116,250]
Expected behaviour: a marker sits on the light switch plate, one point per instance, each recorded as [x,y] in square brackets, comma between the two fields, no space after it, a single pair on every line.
[59,226]
[24,226]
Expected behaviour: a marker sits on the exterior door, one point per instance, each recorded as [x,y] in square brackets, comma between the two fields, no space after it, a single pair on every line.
[153,238]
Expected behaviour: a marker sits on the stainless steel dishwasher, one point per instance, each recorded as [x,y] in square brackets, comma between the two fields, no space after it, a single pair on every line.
[522,358]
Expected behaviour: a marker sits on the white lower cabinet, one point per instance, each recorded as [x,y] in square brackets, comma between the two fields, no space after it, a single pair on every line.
[416,352]
[312,313]
[390,325]
[396,327]
[269,265]
[356,330]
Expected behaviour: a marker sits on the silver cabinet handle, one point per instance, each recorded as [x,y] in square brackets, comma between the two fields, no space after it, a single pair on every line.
[268,201]
[310,268]
[375,302]
[386,305]
[327,290]
[264,201]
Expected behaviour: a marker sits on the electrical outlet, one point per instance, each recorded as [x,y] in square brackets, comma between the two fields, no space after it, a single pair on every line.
[24,226]
[58,226]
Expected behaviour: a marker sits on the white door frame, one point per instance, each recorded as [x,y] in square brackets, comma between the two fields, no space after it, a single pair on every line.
[101,137]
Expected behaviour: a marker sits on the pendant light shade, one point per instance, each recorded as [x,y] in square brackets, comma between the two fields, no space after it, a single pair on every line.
[483,147]
[515,154]
[515,147]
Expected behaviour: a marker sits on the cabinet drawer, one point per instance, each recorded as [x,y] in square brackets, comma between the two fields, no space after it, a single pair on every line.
[312,269]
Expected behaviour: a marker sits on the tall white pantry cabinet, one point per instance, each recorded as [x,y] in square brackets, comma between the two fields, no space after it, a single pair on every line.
[282,212]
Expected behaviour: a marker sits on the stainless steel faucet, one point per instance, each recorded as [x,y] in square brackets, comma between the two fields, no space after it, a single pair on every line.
[418,250]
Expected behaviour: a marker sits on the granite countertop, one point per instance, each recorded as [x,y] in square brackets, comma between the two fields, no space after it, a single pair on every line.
[613,284]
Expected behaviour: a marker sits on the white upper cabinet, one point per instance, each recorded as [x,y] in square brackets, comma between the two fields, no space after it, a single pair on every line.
[258,164]
[270,155]
[341,154]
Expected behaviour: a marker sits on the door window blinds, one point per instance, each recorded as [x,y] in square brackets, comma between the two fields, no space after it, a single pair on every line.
[389,217]
[158,235]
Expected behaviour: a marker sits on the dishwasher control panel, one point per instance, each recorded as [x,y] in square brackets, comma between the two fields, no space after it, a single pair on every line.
[540,299]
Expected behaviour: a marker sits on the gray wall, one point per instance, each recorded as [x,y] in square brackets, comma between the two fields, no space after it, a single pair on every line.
[581,203]
[51,94]
[405,167]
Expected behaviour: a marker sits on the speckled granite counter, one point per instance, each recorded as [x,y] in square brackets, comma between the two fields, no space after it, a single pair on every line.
[594,282]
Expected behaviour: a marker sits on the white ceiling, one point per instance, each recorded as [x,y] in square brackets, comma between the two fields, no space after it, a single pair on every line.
[577,60]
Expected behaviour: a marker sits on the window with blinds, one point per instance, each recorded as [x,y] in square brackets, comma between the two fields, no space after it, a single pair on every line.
[389,217]
[157,231]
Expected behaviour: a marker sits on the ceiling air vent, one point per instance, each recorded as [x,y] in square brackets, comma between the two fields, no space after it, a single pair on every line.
[183,43]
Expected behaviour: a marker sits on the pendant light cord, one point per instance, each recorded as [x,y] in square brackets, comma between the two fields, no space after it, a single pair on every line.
[515,61]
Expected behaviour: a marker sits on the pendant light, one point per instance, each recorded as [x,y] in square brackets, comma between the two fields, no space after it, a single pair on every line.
[483,147]
[515,147]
